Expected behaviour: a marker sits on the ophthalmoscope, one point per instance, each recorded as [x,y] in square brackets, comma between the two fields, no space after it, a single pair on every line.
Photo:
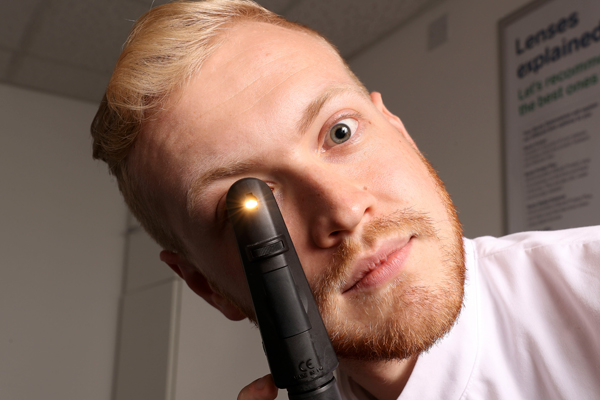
[298,349]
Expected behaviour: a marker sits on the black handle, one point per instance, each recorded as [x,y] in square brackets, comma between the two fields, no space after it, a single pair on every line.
[296,343]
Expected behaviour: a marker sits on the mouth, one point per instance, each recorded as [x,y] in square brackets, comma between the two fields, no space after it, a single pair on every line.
[381,266]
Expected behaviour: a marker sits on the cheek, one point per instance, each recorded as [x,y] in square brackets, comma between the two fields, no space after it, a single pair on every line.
[399,178]
[218,259]
[396,172]
[231,273]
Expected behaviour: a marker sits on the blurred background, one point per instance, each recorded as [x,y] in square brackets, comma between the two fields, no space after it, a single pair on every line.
[86,309]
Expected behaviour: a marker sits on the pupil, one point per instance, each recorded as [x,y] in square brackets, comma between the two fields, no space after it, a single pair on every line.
[341,132]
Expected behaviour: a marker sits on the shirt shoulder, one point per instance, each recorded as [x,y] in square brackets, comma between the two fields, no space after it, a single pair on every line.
[488,246]
[539,313]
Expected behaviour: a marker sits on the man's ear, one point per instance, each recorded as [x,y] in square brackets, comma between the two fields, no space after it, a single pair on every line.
[394,120]
[200,285]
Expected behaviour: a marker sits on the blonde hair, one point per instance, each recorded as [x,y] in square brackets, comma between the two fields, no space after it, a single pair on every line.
[165,47]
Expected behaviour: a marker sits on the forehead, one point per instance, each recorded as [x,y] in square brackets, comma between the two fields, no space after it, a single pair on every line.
[253,61]
[259,70]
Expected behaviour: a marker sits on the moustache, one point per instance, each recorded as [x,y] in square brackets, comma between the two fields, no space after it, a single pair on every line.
[407,222]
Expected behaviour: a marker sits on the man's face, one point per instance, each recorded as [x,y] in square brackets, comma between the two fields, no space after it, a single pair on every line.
[376,235]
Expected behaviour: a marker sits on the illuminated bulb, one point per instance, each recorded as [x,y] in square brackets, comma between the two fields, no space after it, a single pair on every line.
[251,203]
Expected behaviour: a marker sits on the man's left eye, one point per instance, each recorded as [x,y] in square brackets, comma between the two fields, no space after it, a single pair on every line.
[343,130]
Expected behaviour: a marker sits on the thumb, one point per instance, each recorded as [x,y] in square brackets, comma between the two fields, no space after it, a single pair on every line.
[260,389]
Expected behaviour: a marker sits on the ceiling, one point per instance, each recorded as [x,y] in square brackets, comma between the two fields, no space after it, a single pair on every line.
[69,47]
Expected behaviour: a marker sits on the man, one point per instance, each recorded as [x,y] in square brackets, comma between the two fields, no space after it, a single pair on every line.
[206,93]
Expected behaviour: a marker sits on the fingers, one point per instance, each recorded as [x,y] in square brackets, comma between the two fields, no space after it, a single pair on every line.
[260,389]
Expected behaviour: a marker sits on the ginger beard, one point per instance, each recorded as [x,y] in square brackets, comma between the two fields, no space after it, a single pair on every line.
[409,316]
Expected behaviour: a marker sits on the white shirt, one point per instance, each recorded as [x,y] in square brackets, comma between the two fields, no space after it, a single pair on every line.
[530,327]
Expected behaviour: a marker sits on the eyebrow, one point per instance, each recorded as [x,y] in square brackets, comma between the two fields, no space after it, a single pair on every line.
[314,108]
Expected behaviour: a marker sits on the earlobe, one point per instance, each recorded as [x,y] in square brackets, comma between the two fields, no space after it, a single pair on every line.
[200,285]
[393,119]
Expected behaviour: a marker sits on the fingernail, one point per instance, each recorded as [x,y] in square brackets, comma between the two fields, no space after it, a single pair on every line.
[260,383]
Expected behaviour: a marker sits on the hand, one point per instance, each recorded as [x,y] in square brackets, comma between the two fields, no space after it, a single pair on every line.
[260,389]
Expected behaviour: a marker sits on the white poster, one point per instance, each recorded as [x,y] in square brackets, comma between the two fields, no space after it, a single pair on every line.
[550,55]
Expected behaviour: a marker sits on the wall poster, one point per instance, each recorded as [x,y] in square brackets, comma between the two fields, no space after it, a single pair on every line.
[550,78]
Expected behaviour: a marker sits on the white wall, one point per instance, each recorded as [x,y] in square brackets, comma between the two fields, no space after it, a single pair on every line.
[62,228]
[449,101]
[173,345]
[216,357]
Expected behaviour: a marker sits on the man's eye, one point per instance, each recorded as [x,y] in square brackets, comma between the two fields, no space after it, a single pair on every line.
[343,130]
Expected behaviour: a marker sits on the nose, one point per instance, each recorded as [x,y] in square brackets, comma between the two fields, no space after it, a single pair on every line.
[333,205]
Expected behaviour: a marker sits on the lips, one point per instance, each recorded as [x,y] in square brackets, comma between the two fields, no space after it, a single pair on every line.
[380,267]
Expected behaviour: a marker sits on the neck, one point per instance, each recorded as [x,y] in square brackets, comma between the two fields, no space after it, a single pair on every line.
[383,380]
